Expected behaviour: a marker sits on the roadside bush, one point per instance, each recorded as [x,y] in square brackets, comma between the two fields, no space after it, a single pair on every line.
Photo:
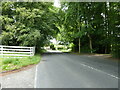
[52,47]
[116,51]
[7,61]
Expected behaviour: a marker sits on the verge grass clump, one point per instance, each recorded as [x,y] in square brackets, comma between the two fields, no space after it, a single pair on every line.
[7,64]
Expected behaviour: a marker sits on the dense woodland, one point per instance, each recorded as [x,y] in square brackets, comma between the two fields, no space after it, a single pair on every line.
[90,27]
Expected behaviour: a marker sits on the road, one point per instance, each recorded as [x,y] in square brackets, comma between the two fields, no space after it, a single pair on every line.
[62,70]
[20,79]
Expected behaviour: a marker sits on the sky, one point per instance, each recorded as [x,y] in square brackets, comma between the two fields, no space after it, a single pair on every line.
[57,3]
[54,41]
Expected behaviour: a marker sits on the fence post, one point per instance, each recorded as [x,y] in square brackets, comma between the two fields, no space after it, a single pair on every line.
[33,51]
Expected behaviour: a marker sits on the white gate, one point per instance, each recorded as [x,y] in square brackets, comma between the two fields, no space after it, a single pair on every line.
[16,51]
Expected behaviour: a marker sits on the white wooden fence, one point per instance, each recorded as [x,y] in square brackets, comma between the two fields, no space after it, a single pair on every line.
[16,51]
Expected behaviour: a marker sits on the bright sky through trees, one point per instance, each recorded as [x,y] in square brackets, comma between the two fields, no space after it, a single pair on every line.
[54,41]
[57,3]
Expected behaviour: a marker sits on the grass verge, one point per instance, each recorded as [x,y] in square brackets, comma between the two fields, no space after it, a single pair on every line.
[8,64]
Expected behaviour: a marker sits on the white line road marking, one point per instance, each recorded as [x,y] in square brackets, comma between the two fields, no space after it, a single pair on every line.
[100,71]
[35,82]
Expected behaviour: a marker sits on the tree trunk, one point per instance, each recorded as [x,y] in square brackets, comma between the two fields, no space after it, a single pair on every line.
[79,45]
[90,43]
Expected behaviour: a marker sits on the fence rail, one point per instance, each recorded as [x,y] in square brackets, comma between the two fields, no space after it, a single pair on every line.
[16,51]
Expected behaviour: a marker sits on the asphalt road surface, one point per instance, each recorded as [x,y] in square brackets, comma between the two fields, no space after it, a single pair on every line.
[63,70]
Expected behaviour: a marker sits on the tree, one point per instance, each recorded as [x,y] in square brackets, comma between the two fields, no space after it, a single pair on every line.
[28,23]
[93,22]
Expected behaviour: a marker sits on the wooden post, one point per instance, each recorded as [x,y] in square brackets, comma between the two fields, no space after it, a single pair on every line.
[33,51]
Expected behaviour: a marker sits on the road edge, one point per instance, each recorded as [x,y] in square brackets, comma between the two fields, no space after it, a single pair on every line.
[35,80]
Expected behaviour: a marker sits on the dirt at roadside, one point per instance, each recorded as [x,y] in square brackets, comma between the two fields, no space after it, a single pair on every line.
[107,56]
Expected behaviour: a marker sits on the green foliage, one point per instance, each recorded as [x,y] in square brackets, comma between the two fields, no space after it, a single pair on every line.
[28,23]
[52,47]
[8,61]
[116,51]
[95,24]
[92,26]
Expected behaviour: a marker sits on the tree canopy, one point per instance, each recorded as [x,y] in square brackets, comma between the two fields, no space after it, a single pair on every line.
[93,27]
[28,23]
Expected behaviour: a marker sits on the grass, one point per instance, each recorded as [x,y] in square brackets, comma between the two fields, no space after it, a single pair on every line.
[7,64]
